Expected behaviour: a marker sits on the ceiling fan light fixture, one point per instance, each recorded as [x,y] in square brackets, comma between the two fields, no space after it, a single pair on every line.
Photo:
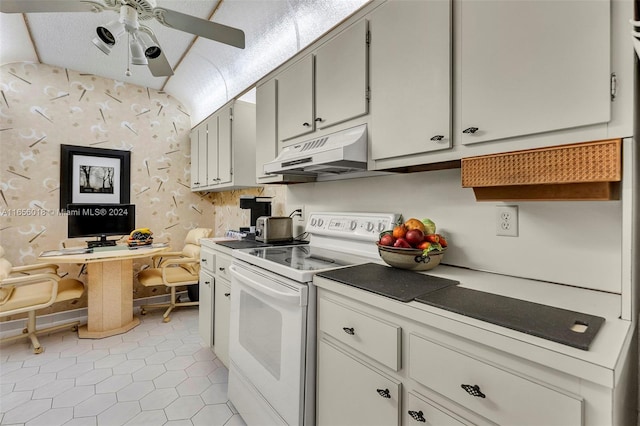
[151,48]
[110,33]
[104,47]
[137,52]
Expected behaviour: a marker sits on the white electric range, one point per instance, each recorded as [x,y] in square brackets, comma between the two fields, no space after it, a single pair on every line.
[273,309]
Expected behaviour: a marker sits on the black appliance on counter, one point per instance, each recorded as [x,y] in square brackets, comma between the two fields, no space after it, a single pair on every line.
[259,206]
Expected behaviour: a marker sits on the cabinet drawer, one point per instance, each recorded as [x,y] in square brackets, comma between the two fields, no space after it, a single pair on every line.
[223,262]
[491,392]
[372,336]
[207,260]
[421,410]
[351,393]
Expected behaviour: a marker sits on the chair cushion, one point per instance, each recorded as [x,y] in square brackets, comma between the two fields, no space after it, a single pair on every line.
[194,235]
[5,268]
[176,276]
[28,295]
[69,289]
[5,293]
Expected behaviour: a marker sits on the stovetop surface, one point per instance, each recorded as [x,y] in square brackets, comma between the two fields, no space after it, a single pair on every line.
[249,243]
[301,257]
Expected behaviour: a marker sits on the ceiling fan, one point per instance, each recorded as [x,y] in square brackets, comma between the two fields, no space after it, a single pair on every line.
[143,44]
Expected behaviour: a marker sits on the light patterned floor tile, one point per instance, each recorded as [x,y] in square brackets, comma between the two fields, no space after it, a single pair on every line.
[156,374]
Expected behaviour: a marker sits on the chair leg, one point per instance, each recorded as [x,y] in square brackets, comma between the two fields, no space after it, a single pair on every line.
[174,302]
[32,333]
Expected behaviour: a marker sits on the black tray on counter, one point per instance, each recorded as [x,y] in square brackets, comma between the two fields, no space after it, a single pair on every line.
[397,284]
[538,320]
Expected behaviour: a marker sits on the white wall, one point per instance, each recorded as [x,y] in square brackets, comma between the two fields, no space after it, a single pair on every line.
[574,243]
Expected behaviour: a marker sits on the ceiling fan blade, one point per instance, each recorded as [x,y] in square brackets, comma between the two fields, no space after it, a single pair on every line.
[158,66]
[201,27]
[44,6]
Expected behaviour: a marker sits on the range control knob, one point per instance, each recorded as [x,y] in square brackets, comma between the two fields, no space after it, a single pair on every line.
[370,226]
[320,222]
[354,225]
[381,227]
[313,221]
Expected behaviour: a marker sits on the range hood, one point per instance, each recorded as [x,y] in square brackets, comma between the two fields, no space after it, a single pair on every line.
[332,154]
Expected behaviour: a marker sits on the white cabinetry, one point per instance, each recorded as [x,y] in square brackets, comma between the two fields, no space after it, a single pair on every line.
[199,156]
[410,66]
[225,154]
[527,67]
[336,74]
[206,287]
[215,291]
[438,378]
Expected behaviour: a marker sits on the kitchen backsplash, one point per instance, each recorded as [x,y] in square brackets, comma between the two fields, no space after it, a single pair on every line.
[575,243]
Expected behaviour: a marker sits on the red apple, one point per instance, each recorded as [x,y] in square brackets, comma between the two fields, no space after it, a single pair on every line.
[401,243]
[414,237]
[387,240]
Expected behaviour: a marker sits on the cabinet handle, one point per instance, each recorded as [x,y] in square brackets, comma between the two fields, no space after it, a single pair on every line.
[473,390]
[470,130]
[437,138]
[207,282]
[349,330]
[384,393]
[203,260]
[306,124]
[227,294]
[221,269]
[319,119]
[418,416]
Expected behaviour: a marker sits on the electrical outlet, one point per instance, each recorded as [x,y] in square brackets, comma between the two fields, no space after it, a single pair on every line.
[507,221]
[301,215]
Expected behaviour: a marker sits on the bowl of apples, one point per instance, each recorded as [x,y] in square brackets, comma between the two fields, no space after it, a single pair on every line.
[412,245]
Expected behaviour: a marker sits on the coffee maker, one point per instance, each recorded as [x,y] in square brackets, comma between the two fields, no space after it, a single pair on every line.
[259,206]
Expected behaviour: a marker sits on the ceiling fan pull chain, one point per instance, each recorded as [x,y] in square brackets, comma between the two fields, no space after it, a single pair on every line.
[128,71]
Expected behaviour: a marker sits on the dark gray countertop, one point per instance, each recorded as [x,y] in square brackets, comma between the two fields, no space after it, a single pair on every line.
[564,326]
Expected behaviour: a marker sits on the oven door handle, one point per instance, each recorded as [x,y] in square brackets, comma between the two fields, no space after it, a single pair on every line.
[279,295]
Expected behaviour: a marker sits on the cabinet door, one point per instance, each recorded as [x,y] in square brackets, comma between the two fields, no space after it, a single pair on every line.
[194,158]
[295,100]
[527,67]
[266,135]
[205,308]
[410,78]
[353,393]
[225,156]
[211,156]
[341,81]
[221,323]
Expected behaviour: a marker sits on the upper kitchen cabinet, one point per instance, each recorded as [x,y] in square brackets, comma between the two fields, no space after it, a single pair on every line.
[295,99]
[199,156]
[410,66]
[225,157]
[326,87]
[528,67]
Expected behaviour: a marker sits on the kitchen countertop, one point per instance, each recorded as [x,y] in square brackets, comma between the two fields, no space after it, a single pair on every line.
[598,364]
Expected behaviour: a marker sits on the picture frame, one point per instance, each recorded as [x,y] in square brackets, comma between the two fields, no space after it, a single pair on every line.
[94,176]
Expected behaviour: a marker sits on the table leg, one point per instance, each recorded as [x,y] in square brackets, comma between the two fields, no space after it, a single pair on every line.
[110,299]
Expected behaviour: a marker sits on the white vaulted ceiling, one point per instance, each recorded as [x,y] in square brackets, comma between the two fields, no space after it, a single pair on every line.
[206,73]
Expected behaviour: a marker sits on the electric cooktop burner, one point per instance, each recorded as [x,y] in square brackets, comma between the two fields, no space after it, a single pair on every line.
[305,258]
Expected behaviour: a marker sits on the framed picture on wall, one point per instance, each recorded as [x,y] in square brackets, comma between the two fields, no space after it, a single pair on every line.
[94,176]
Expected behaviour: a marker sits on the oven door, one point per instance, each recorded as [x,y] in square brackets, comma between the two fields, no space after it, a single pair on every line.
[267,344]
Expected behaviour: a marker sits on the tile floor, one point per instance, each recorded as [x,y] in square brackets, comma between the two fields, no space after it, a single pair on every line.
[155,374]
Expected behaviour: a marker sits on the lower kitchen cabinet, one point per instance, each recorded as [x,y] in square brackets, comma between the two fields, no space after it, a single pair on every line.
[435,382]
[222,305]
[205,306]
[352,393]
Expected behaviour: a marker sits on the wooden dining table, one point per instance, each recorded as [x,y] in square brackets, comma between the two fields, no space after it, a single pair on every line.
[109,286]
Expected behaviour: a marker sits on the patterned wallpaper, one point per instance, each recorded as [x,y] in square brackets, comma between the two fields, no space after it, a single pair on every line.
[43,107]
